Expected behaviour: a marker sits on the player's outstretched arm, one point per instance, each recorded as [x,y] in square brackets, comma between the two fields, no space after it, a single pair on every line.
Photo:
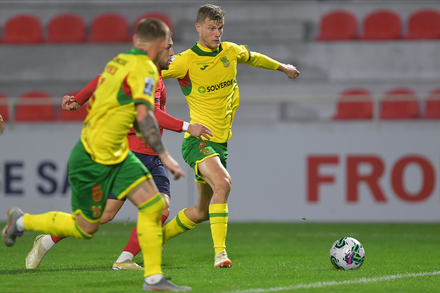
[289,70]
[200,131]
[2,127]
[147,126]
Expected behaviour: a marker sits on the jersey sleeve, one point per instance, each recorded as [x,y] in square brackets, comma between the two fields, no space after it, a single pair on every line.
[85,94]
[255,59]
[178,67]
[142,82]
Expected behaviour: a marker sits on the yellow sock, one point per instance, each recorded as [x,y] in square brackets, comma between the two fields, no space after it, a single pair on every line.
[56,224]
[149,229]
[218,216]
[179,225]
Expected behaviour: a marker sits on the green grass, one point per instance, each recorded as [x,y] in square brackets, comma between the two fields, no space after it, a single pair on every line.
[287,257]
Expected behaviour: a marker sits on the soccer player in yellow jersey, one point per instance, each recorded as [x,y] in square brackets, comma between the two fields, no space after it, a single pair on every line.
[101,162]
[207,76]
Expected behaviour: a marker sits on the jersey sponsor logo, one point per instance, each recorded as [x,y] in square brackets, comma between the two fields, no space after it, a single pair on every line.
[149,85]
[219,85]
[204,67]
[225,61]
[202,89]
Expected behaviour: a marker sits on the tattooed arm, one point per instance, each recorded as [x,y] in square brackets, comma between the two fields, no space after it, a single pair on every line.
[146,125]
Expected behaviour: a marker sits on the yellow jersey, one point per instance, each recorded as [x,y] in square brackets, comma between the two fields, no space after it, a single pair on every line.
[208,81]
[130,78]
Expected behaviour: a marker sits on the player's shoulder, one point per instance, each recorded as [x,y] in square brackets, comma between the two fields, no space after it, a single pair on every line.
[228,45]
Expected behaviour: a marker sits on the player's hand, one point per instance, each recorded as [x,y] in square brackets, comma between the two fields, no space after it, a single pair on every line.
[171,164]
[69,104]
[2,127]
[200,131]
[289,70]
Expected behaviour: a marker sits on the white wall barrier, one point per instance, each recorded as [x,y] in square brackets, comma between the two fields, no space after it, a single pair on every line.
[335,171]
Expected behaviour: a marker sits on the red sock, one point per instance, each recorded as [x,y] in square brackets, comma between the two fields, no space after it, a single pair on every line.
[133,243]
[164,218]
[56,239]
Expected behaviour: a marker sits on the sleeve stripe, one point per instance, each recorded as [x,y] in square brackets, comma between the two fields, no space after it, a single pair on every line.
[143,101]
[249,52]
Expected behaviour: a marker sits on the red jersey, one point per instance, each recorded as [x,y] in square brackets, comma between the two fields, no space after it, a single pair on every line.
[164,120]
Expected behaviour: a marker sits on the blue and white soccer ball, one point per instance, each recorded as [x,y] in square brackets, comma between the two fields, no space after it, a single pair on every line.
[347,253]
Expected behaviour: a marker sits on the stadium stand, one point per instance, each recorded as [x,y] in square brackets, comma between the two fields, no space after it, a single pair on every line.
[109,28]
[432,105]
[23,29]
[4,108]
[382,25]
[356,103]
[423,25]
[26,110]
[66,28]
[159,15]
[400,103]
[338,25]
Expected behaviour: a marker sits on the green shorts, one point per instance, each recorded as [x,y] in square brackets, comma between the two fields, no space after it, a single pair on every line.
[195,151]
[91,182]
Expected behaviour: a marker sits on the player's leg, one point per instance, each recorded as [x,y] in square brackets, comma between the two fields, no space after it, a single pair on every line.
[88,201]
[44,242]
[160,177]
[134,181]
[219,180]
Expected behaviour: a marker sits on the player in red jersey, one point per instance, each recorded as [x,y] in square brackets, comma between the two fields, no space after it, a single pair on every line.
[43,243]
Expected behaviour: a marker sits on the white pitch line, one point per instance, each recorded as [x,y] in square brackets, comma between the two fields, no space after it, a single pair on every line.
[334,283]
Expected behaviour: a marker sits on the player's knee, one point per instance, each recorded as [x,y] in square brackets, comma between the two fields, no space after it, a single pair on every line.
[223,186]
[86,232]
[107,217]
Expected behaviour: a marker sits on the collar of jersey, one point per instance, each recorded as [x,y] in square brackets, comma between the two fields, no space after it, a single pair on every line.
[136,51]
[199,50]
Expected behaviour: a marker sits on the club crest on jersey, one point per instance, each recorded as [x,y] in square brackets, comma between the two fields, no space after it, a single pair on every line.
[225,61]
[149,85]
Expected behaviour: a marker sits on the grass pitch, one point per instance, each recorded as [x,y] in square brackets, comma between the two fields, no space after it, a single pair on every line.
[266,257]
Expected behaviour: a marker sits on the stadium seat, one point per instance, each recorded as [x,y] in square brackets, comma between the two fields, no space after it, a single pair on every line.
[4,108]
[78,115]
[23,29]
[66,28]
[338,25]
[354,103]
[159,15]
[381,25]
[400,103]
[41,111]
[109,28]
[423,25]
[432,105]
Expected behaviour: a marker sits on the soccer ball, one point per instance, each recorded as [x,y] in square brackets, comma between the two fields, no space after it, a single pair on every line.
[347,253]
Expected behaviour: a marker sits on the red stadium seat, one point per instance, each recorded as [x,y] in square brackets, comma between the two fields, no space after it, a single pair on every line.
[432,105]
[354,103]
[109,28]
[423,25]
[41,111]
[382,25]
[159,15]
[66,28]
[4,108]
[400,103]
[338,25]
[23,29]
